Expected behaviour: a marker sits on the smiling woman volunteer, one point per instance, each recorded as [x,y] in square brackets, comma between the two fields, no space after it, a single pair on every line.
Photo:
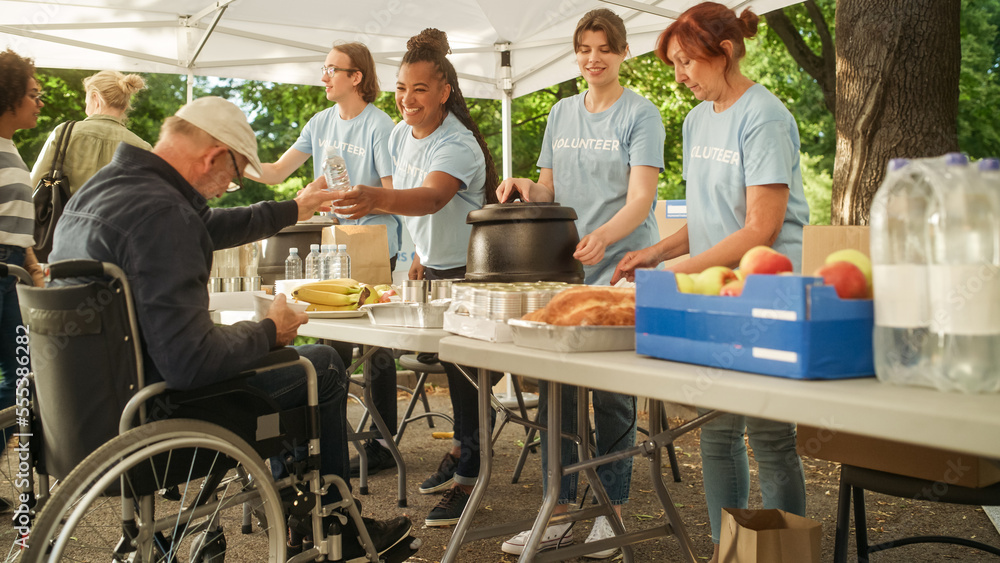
[744,189]
[601,155]
[441,167]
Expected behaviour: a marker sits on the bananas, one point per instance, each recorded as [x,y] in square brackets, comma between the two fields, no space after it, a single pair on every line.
[336,295]
[319,296]
[315,307]
[343,286]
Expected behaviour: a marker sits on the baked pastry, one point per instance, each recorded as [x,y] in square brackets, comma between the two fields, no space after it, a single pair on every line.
[588,306]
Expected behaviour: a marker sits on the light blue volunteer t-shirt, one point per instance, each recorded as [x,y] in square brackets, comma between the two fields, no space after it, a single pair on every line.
[753,142]
[441,240]
[364,143]
[591,155]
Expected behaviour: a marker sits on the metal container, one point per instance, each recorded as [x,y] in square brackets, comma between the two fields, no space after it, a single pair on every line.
[412,315]
[523,242]
[415,291]
[440,289]
[234,283]
[543,336]
[505,303]
[215,285]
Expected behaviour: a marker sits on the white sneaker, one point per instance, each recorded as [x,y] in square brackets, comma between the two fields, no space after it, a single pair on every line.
[559,535]
[601,531]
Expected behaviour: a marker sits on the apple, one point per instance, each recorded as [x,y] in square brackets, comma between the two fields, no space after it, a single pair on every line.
[733,288]
[711,280]
[846,278]
[856,257]
[685,283]
[764,260]
[385,296]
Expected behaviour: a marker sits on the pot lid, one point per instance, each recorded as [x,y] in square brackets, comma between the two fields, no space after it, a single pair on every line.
[312,225]
[521,211]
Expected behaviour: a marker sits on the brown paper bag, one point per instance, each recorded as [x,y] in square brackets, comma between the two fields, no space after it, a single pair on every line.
[368,246]
[768,536]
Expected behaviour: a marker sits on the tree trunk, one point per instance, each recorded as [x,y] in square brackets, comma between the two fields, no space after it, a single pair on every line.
[821,66]
[897,92]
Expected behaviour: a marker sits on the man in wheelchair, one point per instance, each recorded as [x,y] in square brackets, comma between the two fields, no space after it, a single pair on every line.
[147,213]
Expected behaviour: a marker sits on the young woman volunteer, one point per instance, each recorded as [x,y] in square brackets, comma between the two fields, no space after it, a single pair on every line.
[442,166]
[360,131]
[601,155]
[751,198]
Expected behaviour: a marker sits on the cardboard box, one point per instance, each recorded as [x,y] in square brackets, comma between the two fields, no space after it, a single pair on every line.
[368,246]
[952,468]
[671,215]
[789,326]
[818,241]
[768,536]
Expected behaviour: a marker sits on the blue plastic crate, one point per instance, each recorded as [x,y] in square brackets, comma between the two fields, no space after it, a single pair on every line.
[789,326]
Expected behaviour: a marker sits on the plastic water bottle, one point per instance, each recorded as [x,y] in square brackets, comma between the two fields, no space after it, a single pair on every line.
[293,265]
[343,261]
[335,170]
[901,249]
[965,280]
[323,262]
[312,264]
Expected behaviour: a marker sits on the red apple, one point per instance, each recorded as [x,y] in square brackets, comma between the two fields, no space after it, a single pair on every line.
[733,288]
[856,257]
[846,278]
[764,260]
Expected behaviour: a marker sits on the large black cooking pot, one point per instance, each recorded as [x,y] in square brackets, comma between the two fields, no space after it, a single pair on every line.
[523,242]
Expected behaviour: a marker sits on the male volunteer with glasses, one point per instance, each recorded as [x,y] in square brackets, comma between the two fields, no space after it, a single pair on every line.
[147,212]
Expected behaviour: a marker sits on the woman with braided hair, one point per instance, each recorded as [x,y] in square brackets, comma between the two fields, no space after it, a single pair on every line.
[441,167]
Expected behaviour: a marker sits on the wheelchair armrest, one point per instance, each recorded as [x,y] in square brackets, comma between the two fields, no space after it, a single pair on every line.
[282,355]
[75,269]
[11,270]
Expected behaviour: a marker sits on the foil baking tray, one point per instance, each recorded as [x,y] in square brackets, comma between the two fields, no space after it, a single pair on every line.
[406,314]
[532,334]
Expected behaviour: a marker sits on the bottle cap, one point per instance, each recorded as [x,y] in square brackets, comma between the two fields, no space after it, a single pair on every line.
[341,247]
[991,164]
[313,247]
[293,250]
[897,163]
[330,151]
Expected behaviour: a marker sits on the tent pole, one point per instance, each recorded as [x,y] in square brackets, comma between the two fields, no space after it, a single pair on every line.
[190,87]
[506,84]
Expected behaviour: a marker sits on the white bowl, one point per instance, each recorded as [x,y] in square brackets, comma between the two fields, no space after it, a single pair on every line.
[262,303]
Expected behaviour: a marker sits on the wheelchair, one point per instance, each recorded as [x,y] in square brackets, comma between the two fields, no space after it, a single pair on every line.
[151,474]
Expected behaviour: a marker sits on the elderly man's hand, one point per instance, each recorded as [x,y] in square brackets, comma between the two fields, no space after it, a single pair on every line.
[313,198]
[285,320]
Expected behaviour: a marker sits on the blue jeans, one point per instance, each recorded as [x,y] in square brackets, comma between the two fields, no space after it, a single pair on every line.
[287,386]
[614,422]
[10,319]
[726,468]
[465,410]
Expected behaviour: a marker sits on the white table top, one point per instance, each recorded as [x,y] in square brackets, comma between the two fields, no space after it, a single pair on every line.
[965,423]
[235,307]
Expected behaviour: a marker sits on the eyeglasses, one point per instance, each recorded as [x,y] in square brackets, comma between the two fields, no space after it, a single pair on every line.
[331,70]
[239,176]
[37,98]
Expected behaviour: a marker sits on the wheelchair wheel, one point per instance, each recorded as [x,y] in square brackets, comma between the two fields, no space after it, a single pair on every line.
[214,471]
[12,482]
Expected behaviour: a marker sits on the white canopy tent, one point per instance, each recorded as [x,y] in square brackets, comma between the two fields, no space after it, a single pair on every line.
[501,48]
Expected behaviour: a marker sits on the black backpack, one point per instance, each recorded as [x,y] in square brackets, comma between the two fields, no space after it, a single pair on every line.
[50,197]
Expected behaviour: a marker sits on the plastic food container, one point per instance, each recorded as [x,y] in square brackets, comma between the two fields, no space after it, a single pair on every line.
[412,315]
[532,334]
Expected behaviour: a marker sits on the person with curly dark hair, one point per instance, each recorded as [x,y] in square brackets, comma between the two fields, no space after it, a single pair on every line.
[442,167]
[20,104]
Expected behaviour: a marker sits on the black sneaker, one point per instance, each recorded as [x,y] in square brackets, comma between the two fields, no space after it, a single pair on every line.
[443,478]
[379,458]
[447,512]
[385,535]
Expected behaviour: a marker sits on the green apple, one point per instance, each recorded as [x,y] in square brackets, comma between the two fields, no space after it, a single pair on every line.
[685,283]
[711,280]
[856,257]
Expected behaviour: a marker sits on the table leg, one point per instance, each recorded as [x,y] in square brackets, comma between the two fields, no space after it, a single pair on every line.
[554,473]
[485,470]
[656,475]
[367,351]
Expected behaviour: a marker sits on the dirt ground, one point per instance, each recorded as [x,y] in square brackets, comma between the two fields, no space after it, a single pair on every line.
[888,517]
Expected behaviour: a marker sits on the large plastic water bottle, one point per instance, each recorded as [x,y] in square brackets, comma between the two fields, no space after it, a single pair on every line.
[965,280]
[312,262]
[901,255]
[335,170]
[293,265]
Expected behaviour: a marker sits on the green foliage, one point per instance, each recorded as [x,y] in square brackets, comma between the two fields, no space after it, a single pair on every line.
[818,187]
[979,79]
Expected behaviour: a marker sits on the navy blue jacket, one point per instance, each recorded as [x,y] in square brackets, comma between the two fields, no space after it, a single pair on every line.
[139,213]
